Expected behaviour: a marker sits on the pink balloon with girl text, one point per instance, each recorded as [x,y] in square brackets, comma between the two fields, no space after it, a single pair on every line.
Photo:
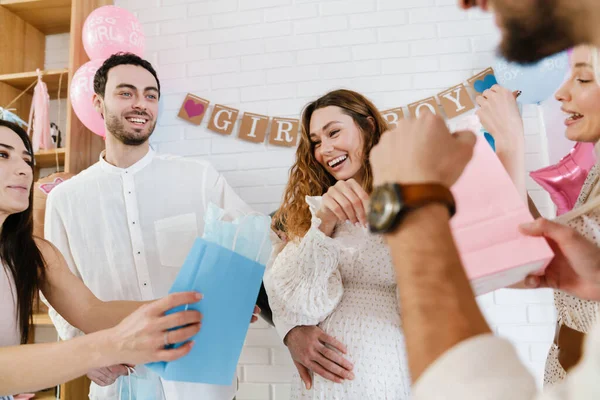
[109,30]
[82,94]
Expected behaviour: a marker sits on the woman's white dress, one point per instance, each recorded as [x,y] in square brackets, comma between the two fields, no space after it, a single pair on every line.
[346,285]
[575,313]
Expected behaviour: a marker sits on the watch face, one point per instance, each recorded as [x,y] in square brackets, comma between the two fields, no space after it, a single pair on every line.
[385,205]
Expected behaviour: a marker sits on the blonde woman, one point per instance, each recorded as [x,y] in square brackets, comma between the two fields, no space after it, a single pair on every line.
[580,98]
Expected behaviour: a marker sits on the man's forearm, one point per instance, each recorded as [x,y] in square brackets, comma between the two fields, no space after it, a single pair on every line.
[437,304]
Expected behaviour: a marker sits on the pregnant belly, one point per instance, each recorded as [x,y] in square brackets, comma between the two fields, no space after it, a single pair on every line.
[367,321]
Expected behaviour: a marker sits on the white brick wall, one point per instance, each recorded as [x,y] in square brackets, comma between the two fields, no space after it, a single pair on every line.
[272,57]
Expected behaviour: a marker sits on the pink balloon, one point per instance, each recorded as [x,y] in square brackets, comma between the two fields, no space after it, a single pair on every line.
[109,30]
[565,179]
[82,92]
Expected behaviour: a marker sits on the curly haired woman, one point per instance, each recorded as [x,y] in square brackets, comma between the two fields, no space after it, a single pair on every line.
[332,272]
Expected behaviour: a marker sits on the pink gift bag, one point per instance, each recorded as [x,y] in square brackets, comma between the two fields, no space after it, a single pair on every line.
[485,227]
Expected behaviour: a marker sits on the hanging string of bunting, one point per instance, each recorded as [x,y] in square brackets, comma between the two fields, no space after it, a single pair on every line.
[454,102]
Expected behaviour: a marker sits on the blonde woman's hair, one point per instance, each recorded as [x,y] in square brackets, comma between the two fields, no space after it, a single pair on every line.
[595,62]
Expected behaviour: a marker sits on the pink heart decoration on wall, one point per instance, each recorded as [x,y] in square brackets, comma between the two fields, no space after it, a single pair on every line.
[193,109]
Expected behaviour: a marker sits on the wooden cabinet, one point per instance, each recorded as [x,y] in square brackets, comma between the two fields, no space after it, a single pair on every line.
[24,25]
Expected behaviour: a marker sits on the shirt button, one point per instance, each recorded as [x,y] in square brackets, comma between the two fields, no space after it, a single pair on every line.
[129,192]
[139,253]
[145,284]
[134,222]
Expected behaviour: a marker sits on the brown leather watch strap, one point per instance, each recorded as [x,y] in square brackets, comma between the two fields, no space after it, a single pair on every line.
[417,195]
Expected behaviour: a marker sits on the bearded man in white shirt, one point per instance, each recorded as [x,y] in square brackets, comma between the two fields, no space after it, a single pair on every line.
[126,224]
[452,353]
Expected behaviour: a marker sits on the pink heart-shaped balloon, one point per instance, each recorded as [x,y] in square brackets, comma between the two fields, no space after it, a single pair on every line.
[193,109]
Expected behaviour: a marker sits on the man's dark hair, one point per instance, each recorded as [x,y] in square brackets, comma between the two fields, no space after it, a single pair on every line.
[116,60]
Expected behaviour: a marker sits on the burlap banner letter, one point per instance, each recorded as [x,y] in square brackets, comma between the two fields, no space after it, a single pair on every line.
[392,116]
[223,119]
[456,101]
[284,132]
[483,80]
[254,127]
[416,108]
[193,109]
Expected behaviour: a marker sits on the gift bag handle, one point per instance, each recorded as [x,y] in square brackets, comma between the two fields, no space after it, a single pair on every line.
[238,231]
[130,371]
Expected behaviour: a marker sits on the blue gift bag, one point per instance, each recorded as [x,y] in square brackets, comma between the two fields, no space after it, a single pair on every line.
[227,267]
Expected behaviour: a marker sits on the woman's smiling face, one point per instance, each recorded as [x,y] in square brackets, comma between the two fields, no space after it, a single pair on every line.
[338,143]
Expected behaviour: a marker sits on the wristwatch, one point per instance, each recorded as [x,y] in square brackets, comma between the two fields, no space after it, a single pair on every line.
[392,201]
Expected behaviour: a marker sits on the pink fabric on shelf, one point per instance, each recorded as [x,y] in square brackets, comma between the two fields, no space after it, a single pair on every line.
[39,130]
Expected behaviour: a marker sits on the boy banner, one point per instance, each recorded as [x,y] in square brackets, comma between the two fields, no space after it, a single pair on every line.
[393,115]
[483,80]
[415,109]
[456,101]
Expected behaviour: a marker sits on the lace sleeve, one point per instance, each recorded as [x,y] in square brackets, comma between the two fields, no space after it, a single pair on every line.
[302,279]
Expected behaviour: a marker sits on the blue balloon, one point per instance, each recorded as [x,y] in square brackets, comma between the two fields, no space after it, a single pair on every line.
[538,82]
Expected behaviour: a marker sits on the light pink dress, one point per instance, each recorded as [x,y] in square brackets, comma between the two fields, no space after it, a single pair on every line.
[9,329]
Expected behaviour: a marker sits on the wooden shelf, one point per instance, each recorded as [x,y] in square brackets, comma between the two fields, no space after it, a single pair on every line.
[45,395]
[42,320]
[47,158]
[48,16]
[51,77]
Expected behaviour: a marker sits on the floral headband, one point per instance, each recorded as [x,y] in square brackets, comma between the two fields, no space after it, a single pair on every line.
[9,116]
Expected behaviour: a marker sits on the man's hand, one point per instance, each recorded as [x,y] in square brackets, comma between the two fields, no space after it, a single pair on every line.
[311,349]
[255,315]
[421,150]
[107,376]
[575,268]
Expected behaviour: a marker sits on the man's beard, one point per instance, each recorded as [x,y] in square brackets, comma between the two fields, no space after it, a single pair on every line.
[115,126]
[539,34]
